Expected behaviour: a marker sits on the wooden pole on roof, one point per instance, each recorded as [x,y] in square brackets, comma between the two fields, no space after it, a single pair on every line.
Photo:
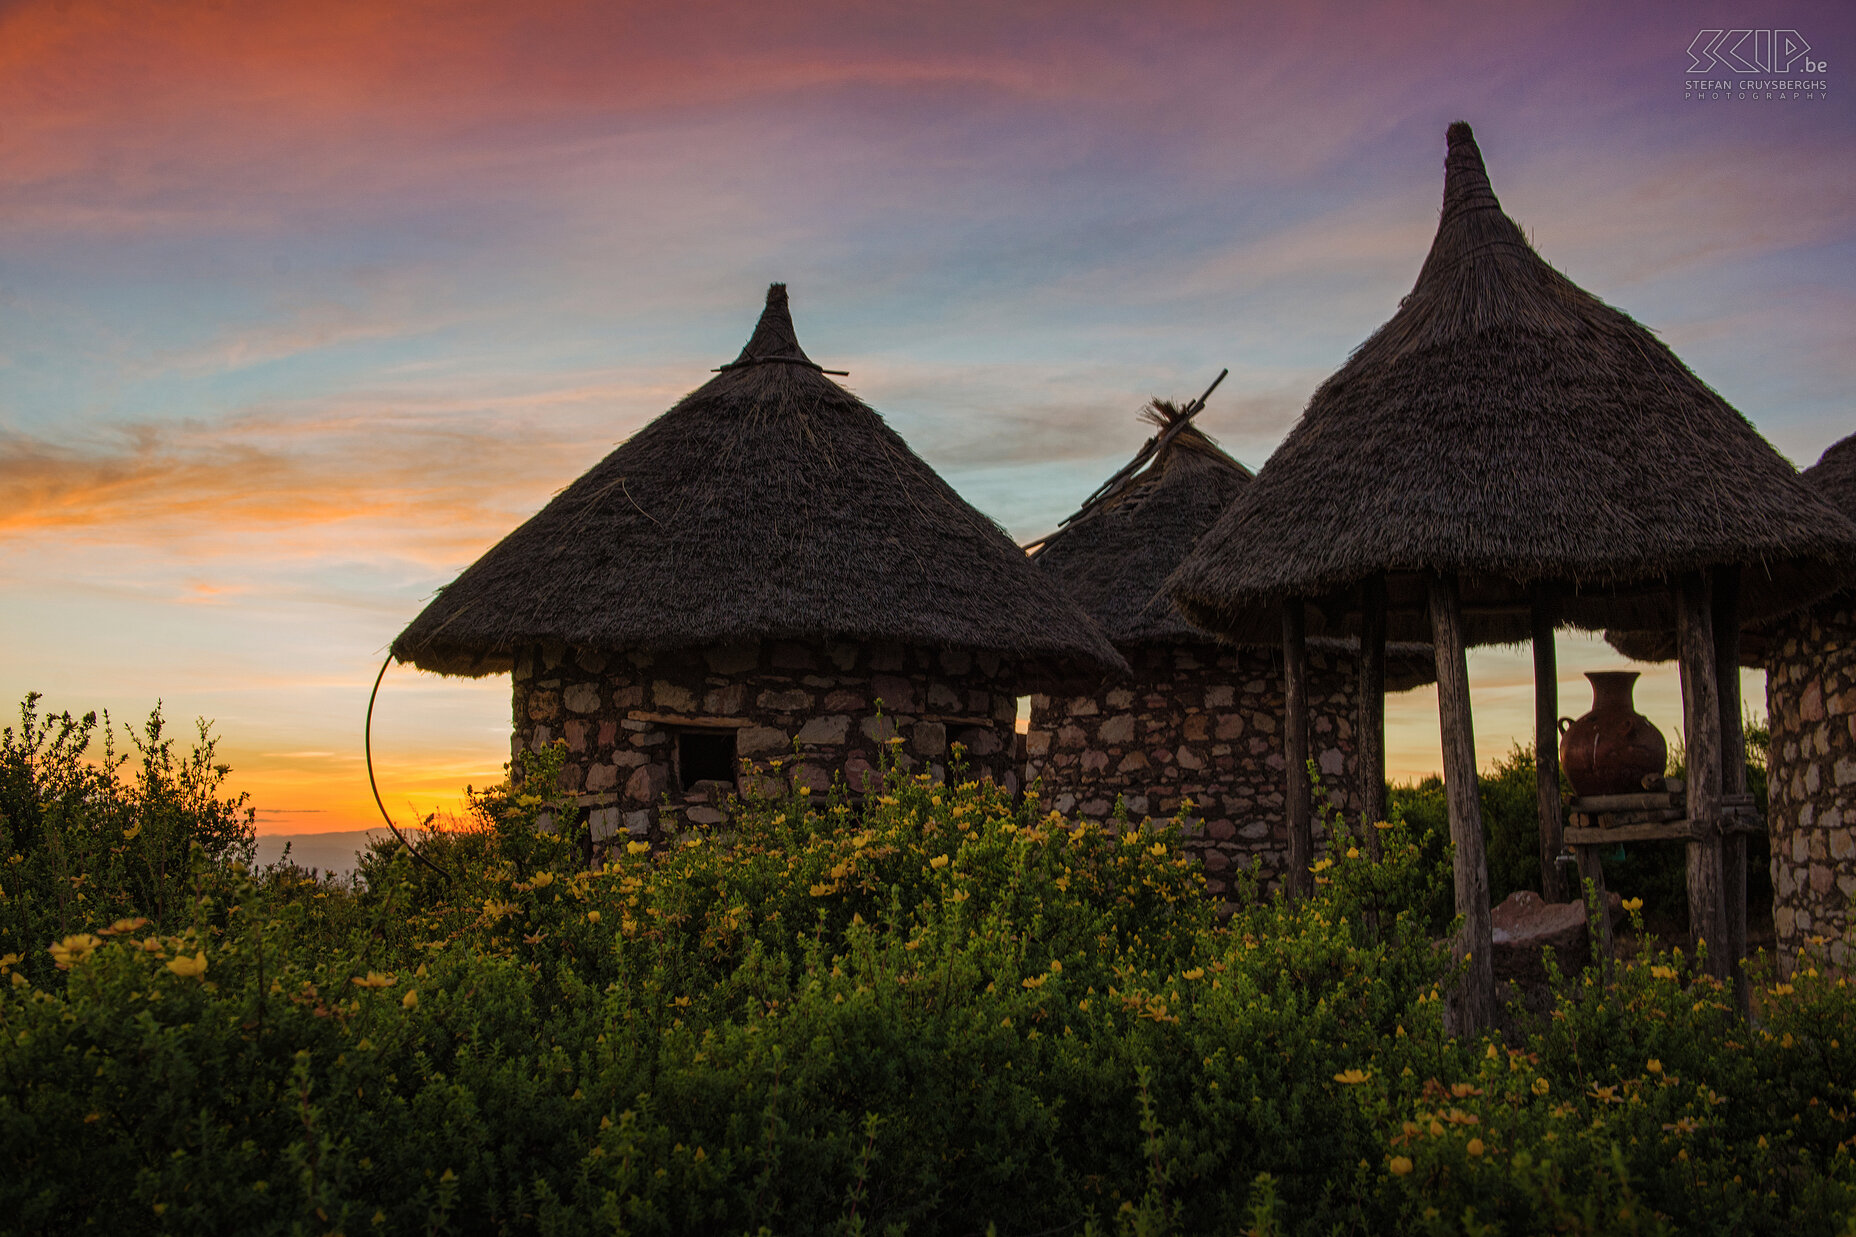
[1298,798]
[1726,618]
[1370,730]
[1473,1002]
[1547,740]
[1701,716]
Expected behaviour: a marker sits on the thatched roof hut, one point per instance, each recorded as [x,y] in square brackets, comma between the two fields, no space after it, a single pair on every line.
[765,572]
[769,503]
[1505,455]
[1509,426]
[1198,718]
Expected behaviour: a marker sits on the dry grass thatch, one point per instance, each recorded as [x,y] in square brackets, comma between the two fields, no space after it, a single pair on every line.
[768,503]
[1508,426]
[1115,554]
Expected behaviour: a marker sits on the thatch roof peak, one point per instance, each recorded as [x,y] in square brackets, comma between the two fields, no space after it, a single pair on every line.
[1509,426]
[1114,554]
[769,503]
[774,339]
[1834,475]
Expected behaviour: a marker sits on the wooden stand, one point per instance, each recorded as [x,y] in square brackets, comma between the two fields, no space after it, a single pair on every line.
[1600,821]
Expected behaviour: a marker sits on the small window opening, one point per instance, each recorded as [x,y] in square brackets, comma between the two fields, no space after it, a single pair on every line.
[705,756]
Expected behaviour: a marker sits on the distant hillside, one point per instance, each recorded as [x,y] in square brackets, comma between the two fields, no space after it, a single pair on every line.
[326,852]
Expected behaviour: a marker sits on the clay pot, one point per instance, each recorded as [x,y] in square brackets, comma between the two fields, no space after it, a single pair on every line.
[1613,748]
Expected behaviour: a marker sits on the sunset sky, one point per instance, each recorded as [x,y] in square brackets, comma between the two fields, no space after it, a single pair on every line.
[304,305]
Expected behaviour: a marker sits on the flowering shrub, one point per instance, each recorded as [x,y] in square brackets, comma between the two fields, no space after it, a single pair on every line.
[934,1011]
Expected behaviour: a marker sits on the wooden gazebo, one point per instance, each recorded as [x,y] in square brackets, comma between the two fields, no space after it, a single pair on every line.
[1507,455]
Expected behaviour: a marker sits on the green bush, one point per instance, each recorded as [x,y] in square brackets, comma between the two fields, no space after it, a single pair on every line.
[932,1012]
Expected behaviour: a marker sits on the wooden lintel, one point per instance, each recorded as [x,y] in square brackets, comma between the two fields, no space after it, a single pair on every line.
[694,721]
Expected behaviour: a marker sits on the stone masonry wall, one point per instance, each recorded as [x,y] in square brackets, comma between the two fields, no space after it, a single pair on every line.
[1204,722]
[1811,812]
[619,715]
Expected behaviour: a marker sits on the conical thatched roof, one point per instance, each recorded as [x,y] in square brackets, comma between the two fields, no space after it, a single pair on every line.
[1511,427]
[1834,478]
[768,503]
[1115,554]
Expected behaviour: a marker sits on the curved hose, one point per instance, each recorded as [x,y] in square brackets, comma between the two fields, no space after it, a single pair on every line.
[367,747]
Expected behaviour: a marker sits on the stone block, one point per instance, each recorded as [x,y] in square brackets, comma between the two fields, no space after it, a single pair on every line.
[1133,762]
[703,816]
[1216,860]
[1221,830]
[1196,728]
[928,739]
[638,824]
[575,732]
[1037,742]
[1096,809]
[843,656]
[602,777]
[1083,706]
[672,696]
[834,730]
[943,699]
[725,701]
[543,706]
[1332,762]
[629,758]
[581,698]
[1188,759]
[604,823]
[1117,729]
[980,741]
[761,741]
[788,700]
[628,697]
[897,693]
[1229,726]
[957,662]
[1120,698]
[647,782]
[1094,761]
[878,728]
[845,702]
[1071,736]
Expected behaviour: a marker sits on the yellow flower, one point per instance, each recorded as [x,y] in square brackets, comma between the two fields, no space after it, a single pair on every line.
[542,880]
[1352,1077]
[410,1000]
[73,950]
[1197,972]
[1654,1066]
[592,916]
[1633,904]
[637,848]
[1542,1086]
[1474,1148]
[1322,865]
[125,925]
[188,968]
[1663,972]
[938,862]
[1034,981]
[1158,848]
[1780,990]
[1399,1166]
[374,979]
[959,895]
[1056,967]
[820,891]
[1353,852]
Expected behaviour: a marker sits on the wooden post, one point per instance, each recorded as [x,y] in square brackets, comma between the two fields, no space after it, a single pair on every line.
[1298,798]
[1370,731]
[1473,1003]
[1726,618]
[1701,715]
[1547,740]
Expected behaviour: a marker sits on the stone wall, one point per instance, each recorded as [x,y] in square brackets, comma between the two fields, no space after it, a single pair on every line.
[1204,722]
[1811,813]
[620,715]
